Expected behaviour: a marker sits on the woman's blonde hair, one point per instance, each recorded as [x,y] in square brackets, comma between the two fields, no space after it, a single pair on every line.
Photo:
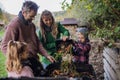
[54,26]
[16,52]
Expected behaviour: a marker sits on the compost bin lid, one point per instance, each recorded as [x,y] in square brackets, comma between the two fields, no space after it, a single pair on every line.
[68,21]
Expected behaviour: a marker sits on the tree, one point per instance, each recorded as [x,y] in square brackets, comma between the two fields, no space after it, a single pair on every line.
[103,15]
[1,14]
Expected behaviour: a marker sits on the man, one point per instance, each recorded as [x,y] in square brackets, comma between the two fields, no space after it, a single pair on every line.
[22,29]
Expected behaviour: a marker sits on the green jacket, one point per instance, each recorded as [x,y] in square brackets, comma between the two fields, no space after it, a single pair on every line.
[50,45]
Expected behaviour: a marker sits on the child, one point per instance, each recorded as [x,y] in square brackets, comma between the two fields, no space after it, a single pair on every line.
[17,52]
[81,47]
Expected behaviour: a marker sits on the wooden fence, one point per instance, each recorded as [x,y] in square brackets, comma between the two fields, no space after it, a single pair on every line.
[111,60]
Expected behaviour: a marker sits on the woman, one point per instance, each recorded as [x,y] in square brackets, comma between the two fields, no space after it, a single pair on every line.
[49,32]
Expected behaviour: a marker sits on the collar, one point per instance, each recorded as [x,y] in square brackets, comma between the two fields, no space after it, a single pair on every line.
[20,15]
[47,29]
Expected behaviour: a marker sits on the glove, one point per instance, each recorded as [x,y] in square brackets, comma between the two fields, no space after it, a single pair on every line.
[76,51]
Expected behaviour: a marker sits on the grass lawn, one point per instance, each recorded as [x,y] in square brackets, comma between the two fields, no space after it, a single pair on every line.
[1,32]
[2,65]
[3,72]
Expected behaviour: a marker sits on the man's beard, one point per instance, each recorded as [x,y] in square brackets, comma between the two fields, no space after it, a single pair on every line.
[29,20]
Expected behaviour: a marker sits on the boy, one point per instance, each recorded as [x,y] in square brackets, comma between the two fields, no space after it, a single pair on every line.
[81,47]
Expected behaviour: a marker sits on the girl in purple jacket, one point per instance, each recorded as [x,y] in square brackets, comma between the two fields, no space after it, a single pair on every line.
[81,47]
[17,52]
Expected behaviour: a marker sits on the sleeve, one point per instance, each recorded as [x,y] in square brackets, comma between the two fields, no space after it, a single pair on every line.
[39,34]
[50,45]
[85,48]
[11,33]
[81,49]
[27,72]
[41,49]
[62,30]
[76,49]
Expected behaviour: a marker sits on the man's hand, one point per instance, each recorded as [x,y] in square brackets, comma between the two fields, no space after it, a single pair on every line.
[51,59]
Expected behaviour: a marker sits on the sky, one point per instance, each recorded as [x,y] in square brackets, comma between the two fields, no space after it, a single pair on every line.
[14,6]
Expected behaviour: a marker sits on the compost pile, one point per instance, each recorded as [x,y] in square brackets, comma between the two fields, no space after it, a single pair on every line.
[67,67]
[96,58]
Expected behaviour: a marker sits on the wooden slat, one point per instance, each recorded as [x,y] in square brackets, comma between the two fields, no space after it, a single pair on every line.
[105,77]
[114,55]
[111,61]
[107,74]
[109,70]
[111,53]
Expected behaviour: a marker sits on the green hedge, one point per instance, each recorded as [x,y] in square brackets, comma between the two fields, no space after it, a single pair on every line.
[3,72]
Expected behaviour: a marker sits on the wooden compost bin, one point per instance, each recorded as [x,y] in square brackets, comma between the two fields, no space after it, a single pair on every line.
[84,71]
[111,60]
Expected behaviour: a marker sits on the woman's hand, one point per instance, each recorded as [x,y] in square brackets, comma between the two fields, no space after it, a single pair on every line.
[51,59]
[64,38]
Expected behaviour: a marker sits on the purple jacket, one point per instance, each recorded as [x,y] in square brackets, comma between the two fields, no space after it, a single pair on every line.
[81,52]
